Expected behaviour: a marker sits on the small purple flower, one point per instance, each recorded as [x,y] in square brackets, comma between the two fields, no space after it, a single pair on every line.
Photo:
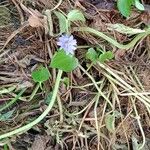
[67,43]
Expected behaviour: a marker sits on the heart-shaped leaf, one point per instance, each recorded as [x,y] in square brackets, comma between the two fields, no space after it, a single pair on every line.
[124,7]
[91,55]
[64,62]
[106,56]
[40,75]
[75,15]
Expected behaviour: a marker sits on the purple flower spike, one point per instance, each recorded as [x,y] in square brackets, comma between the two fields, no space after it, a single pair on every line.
[67,43]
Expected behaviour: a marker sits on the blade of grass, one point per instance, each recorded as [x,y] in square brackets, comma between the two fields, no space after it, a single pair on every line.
[34,91]
[13,100]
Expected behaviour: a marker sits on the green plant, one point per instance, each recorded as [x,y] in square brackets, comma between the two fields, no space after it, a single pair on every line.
[65,25]
[105,56]
[39,76]
[92,55]
[101,56]
[64,60]
[65,21]
[113,41]
[6,147]
[50,105]
[125,6]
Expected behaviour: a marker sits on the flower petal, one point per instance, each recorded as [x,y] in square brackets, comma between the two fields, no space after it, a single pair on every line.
[68,43]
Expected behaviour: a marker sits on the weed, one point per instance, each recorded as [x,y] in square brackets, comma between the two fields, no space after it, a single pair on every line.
[125,6]
[90,92]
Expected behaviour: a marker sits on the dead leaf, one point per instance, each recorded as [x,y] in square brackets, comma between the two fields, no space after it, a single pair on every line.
[124,129]
[36,19]
[40,143]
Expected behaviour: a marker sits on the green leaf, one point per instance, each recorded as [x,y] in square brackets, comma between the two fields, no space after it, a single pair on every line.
[124,29]
[40,75]
[110,122]
[6,147]
[124,7]
[91,54]
[62,21]
[75,15]
[64,62]
[48,98]
[138,5]
[106,56]
[6,116]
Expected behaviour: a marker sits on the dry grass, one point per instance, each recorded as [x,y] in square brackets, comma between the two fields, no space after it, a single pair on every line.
[77,120]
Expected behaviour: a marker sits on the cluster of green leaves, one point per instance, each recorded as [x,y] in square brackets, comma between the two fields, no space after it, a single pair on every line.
[125,6]
[101,56]
[69,62]
[65,21]
[60,59]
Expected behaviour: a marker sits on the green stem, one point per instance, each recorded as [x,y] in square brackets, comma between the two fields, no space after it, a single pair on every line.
[36,121]
[34,91]
[60,108]
[13,100]
[113,41]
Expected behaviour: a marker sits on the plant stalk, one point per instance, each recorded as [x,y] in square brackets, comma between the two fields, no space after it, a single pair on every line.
[42,116]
